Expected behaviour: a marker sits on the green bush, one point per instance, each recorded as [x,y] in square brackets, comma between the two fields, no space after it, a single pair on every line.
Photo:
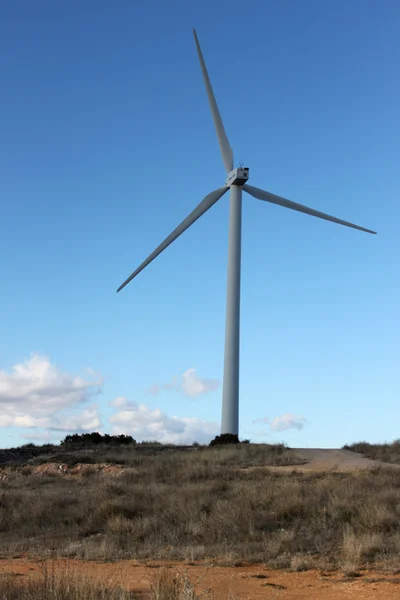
[95,439]
[225,438]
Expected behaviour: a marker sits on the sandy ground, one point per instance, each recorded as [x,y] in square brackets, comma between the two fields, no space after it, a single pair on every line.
[223,583]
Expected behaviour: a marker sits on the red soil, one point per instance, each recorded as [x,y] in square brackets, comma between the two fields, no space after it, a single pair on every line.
[221,583]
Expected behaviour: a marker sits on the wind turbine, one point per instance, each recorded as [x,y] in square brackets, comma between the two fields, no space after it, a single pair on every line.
[235,182]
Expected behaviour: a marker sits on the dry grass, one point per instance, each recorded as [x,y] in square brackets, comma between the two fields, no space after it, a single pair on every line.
[389,453]
[198,505]
[168,585]
[151,453]
[56,585]
[65,585]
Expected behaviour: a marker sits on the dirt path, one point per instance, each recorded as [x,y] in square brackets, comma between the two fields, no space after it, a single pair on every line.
[223,583]
[334,460]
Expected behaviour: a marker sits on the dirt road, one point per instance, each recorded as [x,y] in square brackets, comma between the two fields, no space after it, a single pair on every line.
[332,459]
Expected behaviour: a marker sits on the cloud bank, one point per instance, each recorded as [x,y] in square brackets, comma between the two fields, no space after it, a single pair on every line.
[36,394]
[38,397]
[144,423]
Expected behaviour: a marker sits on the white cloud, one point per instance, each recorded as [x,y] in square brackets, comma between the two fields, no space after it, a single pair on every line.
[38,397]
[193,386]
[144,423]
[36,394]
[284,422]
[118,402]
[190,384]
[287,421]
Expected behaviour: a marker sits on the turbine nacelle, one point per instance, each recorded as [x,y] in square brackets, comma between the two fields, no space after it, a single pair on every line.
[237,176]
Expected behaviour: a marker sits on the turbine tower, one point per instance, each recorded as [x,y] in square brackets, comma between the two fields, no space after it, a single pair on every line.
[235,183]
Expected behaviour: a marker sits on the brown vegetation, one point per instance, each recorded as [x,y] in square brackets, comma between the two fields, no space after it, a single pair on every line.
[197,505]
[62,584]
[389,453]
[59,585]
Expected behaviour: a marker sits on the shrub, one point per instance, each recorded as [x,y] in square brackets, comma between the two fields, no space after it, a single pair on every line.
[384,452]
[95,439]
[225,438]
[59,585]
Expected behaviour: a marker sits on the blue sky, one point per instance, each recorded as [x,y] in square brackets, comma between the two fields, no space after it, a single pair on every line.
[107,143]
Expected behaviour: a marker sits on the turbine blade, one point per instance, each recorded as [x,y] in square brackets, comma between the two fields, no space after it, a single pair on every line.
[204,205]
[268,197]
[226,150]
